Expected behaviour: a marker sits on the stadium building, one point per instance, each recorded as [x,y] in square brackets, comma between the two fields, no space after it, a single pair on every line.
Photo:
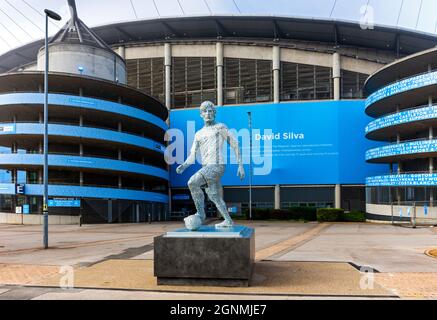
[301,79]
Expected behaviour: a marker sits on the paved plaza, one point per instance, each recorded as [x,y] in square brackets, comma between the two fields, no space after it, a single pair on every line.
[293,261]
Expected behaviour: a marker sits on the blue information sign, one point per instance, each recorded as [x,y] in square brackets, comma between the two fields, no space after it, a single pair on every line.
[26,209]
[64,203]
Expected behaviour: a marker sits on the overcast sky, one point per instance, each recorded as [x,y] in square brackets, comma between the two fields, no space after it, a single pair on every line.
[22,21]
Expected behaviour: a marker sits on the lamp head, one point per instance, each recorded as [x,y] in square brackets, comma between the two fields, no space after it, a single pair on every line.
[52,15]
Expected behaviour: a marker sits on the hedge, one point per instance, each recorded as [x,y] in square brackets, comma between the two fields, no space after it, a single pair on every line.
[354,216]
[338,215]
[305,214]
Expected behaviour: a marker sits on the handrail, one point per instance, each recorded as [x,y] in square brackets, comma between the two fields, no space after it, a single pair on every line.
[78,126]
[76,183]
[87,96]
[85,155]
[399,80]
[406,110]
[407,141]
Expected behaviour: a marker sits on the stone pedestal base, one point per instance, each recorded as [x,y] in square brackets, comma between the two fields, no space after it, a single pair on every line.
[208,256]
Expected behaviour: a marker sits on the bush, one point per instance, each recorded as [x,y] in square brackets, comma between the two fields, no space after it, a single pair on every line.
[354,216]
[303,213]
[329,215]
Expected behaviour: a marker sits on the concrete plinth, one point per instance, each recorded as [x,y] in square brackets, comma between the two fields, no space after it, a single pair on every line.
[206,257]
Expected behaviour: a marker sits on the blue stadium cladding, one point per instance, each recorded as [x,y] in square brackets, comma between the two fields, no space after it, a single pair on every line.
[319,143]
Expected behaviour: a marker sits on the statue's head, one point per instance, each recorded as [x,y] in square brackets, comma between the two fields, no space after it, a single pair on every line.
[207,111]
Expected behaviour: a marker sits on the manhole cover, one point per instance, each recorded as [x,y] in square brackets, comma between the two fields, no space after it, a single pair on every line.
[432,253]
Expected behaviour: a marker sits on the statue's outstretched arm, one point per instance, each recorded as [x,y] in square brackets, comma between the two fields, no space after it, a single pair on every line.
[235,146]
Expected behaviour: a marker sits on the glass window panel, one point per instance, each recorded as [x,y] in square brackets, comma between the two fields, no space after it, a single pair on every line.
[306,82]
[248,79]
[288,81]
[323,83]
[264,80]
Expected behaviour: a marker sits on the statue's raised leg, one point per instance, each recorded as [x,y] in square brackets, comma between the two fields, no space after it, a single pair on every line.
[195,185]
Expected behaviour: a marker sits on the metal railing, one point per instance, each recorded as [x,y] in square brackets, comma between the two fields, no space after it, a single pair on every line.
[416,213]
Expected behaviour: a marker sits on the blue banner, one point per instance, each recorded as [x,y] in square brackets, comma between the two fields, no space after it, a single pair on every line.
[293,143]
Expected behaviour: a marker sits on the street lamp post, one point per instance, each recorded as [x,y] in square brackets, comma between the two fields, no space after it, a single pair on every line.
[52,15]
[250,165]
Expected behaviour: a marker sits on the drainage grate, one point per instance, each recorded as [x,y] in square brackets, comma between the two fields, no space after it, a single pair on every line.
[363,268]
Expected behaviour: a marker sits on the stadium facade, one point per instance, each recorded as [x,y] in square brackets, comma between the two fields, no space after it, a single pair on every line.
[301,79]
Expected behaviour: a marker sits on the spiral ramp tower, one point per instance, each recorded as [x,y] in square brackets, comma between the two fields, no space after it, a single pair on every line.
[106,140]
[403,101]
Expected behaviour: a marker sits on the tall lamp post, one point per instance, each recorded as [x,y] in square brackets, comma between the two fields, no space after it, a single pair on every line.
[250,165]
[52,15]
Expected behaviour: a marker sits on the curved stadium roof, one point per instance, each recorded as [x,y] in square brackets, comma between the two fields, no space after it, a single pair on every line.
[405,26]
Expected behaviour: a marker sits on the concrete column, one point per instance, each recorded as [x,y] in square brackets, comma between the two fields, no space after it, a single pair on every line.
[81,92]
[398,137]
[430,101]
[14,118]
[122,52]
[41,117]
[40,177]
[81,178]
[338,196]
[336,75]
[277,197]
[167,64]
[276,73]
[81,149]
[399,167]
[220,68]
[137,211]
[120,127]
[119,154]
[81,120]
[170,207]
[120,183]
[109,211]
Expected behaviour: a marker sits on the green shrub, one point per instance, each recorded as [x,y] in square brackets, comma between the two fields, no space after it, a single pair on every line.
[354,216]
[303,213]
[329,215]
